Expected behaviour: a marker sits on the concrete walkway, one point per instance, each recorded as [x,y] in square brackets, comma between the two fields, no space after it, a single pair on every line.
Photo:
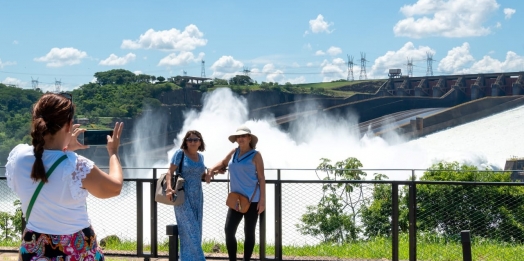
[13,256]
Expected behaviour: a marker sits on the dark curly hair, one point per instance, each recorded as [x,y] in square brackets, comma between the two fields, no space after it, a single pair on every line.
[202,146]
[50,113]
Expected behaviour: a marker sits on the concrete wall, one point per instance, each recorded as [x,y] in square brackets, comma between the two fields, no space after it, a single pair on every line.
[461,114]
[381,106]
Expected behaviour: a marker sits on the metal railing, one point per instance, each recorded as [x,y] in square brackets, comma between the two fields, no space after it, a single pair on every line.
[412,213]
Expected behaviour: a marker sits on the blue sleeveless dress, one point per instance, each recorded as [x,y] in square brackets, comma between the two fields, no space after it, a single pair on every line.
[189,215]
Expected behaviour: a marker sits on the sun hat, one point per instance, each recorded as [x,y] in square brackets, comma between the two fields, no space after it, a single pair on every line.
[241,131]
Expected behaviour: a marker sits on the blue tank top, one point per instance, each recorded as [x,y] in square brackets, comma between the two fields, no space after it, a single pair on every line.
[243,174]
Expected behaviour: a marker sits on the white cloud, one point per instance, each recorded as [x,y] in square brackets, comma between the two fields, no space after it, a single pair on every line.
[460,61]
[394,60]
[59,57]
[138,72]
[169,40]
[309,64]
[508,12]
[452,18]
[182,58]
[339,61]
[334,70]
[21,84]
[318,25]
[456,59]
[114,60]
[273,74]
[333,50]
[226,67]
[13,81]
[320,53]
[298,80]
[8,63]
[15,42]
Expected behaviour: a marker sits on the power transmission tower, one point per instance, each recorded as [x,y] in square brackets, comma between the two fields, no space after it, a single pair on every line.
[363,75]
[203,73]
[350,68]
[410,67]
[246,71]
[58,85]
[429,60]
[34,83]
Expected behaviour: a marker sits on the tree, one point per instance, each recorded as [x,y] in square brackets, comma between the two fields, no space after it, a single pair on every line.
[160,78]
[376,217]
[116,76]
[241,80]
[492,212]
[333,219]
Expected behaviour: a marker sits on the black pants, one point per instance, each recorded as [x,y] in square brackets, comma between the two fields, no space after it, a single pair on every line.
[250,223]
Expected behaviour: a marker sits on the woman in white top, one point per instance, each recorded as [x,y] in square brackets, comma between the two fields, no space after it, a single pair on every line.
[57,224]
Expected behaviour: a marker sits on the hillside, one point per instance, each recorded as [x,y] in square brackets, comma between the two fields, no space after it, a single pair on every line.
[120,95]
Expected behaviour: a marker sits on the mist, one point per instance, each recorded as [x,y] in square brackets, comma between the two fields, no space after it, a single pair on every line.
[485,143]
[306,141]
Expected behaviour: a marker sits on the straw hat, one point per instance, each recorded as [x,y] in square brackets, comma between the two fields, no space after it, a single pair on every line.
[241,131]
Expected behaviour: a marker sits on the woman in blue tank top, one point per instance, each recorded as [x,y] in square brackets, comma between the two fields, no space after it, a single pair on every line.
[246,168]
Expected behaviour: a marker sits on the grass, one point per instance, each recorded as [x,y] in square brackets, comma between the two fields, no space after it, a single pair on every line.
[435,250]
[324,88]
[427,249]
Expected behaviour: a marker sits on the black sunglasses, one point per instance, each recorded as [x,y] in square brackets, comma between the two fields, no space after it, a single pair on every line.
[68,96]
[192,139]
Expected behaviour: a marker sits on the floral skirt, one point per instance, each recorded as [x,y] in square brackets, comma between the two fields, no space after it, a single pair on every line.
[81,245]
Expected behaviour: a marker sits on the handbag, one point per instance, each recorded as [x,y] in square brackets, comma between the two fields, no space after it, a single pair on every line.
[39,187]
[239,202]
[177,184]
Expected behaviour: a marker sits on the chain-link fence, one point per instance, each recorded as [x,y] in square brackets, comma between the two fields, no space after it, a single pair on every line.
[371,218]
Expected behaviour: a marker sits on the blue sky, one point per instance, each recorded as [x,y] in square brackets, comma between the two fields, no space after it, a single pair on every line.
[278,41]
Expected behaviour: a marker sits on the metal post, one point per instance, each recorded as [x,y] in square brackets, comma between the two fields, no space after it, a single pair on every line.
[154,217]
[278,218]
[262,236]
[466,245]
[172,232]
[394,222]
[140,218]
[413,219]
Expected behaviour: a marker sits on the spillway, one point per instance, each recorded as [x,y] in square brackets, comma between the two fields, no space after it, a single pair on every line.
[485,142]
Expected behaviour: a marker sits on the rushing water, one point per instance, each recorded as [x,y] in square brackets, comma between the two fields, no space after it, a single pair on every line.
[484,143]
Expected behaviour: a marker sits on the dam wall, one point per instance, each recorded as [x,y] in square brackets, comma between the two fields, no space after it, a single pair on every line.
[457,115]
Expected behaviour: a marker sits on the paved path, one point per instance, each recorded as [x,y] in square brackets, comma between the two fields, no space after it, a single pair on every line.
[13,256]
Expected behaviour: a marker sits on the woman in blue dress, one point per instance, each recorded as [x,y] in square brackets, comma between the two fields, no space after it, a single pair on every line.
[189,214]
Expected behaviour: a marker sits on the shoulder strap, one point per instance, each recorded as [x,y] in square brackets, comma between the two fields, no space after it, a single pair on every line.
[179,168]
[254,193]
[228,176]
[37,191]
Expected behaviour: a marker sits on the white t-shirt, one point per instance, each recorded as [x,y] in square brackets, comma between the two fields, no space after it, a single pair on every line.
[60,208]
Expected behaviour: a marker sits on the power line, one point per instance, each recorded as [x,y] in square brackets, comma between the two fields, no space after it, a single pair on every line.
[203,73]
[363,75]
[58,85]
[410,67]
[34,83]
[429,60]
[350,68]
